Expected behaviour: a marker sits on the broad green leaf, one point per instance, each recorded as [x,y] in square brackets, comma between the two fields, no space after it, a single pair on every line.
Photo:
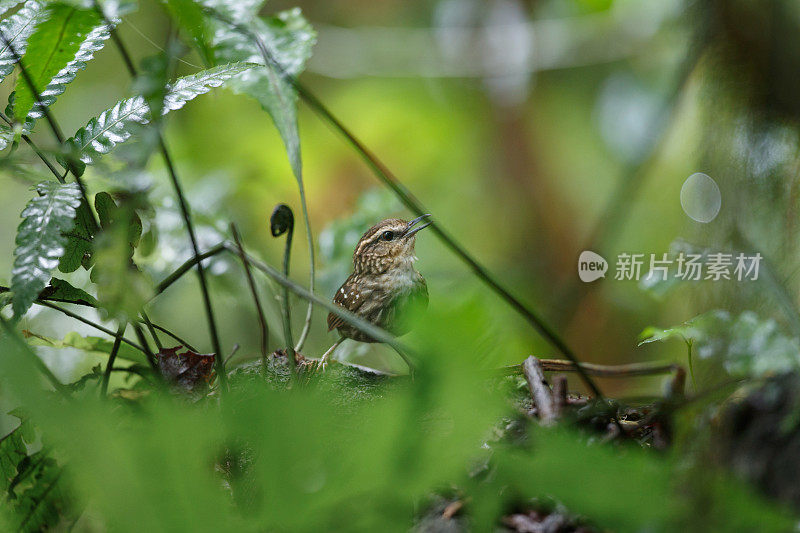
[189,16]
[90,344]
[115,125]
[93,42]
[63,291]
[78,249]
[51,48]
[289,38]
[16,29]
[122,289]
[40,240]
[114,218]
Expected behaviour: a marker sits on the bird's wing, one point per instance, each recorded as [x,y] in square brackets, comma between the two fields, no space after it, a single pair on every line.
[348,297]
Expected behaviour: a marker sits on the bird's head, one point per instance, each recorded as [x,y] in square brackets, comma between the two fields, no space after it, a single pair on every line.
[388,244]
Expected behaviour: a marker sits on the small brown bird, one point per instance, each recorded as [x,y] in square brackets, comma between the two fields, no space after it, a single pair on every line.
[384,288]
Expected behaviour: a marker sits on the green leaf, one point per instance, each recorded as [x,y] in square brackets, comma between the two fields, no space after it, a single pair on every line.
[93,42]
[745,344]
[289,38]
[122,289]
[40,240]
[52,47]
[189,16]
[6,136]
[62,291]
[89,344]
[109,213]
[114,126]
[240,11]
[79,246]
[17,28]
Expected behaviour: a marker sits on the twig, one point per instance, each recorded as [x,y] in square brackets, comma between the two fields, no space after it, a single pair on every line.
[262,321]
[412,203]
[151,329]
[610,371]
[150,357]
[233,352]
[112,357]
[174,336]
[185,267]
[540,391]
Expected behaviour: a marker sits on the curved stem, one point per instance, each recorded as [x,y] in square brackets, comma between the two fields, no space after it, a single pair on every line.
[307,325]
[287,318]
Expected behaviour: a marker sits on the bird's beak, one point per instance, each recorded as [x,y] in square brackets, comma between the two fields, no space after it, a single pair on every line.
[410,232]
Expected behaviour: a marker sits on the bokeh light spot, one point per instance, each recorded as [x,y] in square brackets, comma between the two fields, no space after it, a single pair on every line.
[700,197]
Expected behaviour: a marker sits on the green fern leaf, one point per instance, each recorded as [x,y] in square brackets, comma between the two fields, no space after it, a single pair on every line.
[16,29]
[94,41]
[114,126]
[40,240]
[52,47]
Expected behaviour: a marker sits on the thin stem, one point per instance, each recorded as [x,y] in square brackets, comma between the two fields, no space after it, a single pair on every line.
[150,357]
[151,329]
[412,203]
[262,321]
[89,323]
[36,149]
[183,342]
[187,219]
[112,357]
[86,304]
[287,318]
[607,371]
[185,267]
[38,363]
[312,269]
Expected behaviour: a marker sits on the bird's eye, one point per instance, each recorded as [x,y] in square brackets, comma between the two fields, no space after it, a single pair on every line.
[387,235]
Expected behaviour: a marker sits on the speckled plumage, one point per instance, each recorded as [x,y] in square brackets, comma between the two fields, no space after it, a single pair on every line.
[384,288]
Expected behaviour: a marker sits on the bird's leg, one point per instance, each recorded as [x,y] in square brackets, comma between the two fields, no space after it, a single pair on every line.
[327,355]
[411,366]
